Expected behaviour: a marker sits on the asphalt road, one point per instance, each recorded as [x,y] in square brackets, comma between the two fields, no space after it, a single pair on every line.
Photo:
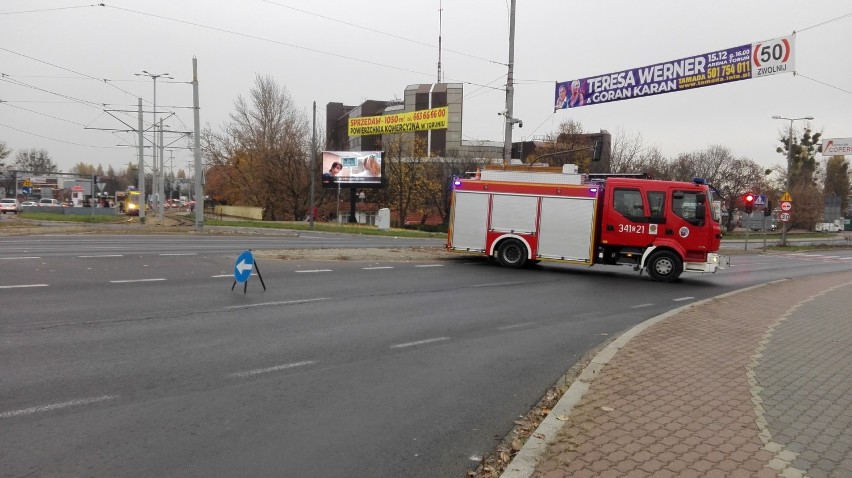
[126,356]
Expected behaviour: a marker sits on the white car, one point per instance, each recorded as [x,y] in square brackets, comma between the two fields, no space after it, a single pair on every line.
[29,204]
[10,205]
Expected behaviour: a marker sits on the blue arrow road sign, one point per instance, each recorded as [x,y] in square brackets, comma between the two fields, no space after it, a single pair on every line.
[760,200]
[243,266]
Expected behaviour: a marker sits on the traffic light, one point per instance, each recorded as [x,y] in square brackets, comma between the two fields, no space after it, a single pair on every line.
[767,211]
[748,199]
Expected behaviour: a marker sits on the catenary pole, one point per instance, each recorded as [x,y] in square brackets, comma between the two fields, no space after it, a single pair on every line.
[510,90]
[141,169]
[312,170]
[196,150]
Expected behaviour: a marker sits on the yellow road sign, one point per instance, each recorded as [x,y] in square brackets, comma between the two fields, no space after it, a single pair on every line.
[27,183]
[786,197]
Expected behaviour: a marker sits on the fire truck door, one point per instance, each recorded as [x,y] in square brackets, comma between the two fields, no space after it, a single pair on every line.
[624,220]
[688,221]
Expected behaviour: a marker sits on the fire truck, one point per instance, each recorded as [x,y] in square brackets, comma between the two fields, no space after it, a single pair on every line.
[527,215]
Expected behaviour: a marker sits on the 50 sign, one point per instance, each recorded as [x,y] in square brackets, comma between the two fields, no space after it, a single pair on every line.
[772,57]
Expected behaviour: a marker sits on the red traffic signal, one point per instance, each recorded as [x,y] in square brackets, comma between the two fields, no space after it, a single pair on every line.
[748,199]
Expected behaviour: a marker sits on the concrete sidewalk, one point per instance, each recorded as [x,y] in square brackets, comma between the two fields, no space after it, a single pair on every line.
[753,383]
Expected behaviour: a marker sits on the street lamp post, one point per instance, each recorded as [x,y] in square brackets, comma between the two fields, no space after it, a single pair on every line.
[789,165]
[157,170]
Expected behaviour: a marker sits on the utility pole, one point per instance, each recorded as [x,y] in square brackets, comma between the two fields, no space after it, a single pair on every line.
[141,169]
[196,151]
[154,166]
[160,184]
[312,170]
[510,89]
[789,182]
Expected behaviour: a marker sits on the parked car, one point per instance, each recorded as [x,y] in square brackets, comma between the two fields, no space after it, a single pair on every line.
[29,204]
[48,202]
[10,205]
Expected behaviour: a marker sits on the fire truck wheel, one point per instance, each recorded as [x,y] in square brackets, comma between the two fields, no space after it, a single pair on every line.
[512,253]
[665,266]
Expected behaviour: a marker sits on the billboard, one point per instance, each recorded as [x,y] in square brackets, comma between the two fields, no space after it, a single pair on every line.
[836,146]
[770,57]
[352,169]
[423,120]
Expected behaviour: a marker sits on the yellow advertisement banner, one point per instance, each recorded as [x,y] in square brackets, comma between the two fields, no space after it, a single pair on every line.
[435,118]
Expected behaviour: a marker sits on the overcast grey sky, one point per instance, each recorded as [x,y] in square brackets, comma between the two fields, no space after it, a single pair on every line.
[64,65]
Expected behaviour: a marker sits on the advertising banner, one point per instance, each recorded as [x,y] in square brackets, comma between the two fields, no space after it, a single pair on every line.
[722,66]
[352,169]
[836,146]
[435,118]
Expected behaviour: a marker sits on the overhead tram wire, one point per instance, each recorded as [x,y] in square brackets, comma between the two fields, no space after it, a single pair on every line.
[373,30]
[106,81]
[291,45]
[57,140]
[825,22]
[48,9]
[821,24]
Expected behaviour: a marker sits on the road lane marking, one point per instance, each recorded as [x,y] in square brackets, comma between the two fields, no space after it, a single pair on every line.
[419,342]
[286,302]
[178,254]
[376,268]
[641,305]
[56,406]
[99,256]
[430,265]
[19,258]
[496,284]
[681,299]
[276,368]
[316,270]
[134,280]
[515,326]
[22,286]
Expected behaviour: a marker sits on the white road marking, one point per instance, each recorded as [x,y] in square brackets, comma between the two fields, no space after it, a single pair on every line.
[641,305]
[22,286]
[134,280]
[276,368]
[376,268]
[419,342]
[286,302]
[681,299]
[316,270]
[496,284]
[56,406]
[515,326]
[430,265]
[18,258]
[223,275]
[99,256]
[179,254]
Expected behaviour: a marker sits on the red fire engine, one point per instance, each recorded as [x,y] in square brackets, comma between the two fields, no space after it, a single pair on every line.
[529,215]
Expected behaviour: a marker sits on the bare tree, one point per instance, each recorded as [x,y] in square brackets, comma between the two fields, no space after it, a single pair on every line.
[37,161]
[4,152]
[265,151]
[741,176]
[801,176]
[626,152]
[408,187]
